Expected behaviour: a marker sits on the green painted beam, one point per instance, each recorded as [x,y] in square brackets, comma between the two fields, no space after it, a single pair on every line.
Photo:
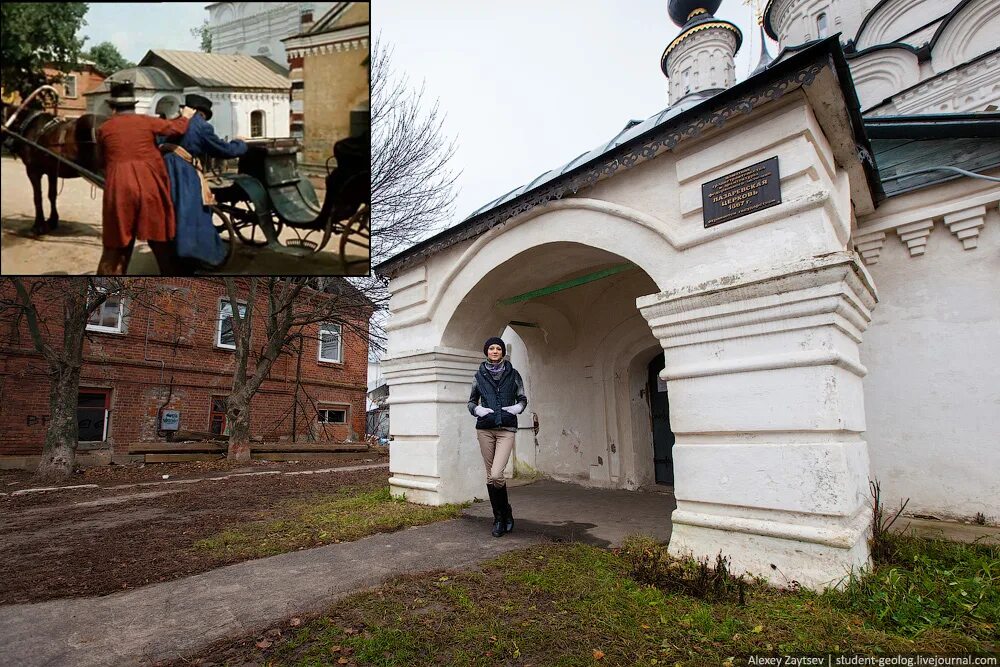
[575,282]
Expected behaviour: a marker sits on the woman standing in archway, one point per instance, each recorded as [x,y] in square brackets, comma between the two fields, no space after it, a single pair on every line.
[496,400]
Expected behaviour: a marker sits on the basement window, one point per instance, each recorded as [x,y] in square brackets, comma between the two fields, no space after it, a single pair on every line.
[330,348]
[333,415]
[217,416]
[108,316]
[224,337]
[92,414]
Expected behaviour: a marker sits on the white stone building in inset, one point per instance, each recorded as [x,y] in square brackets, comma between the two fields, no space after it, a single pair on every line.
[763,296]
[250,98]
[257,28]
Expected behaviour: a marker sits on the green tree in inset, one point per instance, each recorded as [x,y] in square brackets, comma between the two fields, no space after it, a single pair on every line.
[205,34]
[107,58]
[34,35]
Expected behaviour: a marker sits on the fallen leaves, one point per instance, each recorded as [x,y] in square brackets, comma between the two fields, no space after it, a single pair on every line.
[598,654]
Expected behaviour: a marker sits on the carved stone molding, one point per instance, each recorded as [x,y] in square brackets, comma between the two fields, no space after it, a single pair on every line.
[966,224]
[869,246]
[915,235]
[963,212]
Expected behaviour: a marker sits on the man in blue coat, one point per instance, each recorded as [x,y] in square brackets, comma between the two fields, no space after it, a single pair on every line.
[196,236]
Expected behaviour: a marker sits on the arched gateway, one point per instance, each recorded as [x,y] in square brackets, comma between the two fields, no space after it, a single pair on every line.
[604,266]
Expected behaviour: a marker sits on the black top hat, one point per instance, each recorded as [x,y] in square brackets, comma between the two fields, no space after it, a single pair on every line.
[199,102]
[122,94]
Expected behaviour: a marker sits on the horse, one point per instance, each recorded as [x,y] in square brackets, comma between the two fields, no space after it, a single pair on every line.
[72,138]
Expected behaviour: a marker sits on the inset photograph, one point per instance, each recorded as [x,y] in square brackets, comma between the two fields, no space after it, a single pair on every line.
[183,139]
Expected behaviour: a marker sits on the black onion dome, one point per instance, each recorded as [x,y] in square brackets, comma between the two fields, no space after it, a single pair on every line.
[679,10]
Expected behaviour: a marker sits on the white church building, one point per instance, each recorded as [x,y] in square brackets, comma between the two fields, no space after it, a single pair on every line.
[761,297]
[250,96]
[258,28]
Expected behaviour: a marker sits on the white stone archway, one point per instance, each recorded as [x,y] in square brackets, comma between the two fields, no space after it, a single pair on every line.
[168,105]
[759,320]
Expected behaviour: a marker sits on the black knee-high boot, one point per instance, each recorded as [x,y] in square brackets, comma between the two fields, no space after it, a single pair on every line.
[498,516]
[508,514]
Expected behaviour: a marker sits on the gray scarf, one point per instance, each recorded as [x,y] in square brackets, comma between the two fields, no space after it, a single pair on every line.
[495,370]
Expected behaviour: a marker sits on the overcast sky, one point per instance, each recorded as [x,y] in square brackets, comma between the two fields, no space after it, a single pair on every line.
[529,84]
[137,27]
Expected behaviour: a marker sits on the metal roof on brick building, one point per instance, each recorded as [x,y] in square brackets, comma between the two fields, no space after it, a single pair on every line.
[217,70]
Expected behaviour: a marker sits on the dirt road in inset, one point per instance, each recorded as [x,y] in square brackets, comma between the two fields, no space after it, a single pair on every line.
[75,247]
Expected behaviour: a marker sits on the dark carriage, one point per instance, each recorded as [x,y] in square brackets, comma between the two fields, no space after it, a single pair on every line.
[267,194]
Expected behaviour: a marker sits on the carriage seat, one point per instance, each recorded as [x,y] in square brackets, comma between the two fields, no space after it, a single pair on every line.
[273,163]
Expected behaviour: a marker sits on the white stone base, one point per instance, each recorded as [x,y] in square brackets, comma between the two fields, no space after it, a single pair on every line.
[780,560]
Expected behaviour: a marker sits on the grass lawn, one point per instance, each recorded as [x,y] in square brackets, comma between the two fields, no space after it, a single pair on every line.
[573,604]
[349,514]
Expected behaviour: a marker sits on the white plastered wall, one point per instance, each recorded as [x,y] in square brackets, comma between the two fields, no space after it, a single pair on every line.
[933,389]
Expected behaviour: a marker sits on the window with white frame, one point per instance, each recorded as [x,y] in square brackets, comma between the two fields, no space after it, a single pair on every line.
[332,415]
[70,84]
[225,337]
[108,316]
[330,343]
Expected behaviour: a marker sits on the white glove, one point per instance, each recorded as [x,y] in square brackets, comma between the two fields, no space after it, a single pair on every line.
[481,411]
[514,409]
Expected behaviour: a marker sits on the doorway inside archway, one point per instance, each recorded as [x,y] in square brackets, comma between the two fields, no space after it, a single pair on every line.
[582,347]
[659,417]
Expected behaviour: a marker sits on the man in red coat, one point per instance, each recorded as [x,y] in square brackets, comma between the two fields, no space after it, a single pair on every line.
[136,190]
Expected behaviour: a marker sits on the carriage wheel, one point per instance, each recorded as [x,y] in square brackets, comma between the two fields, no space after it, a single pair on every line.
[227,232]
[244,221]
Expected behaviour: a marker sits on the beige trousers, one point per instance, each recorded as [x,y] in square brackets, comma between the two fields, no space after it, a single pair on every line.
[496,446]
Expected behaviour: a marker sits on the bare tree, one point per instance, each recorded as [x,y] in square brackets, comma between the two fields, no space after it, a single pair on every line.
[291,305]
[412,184]
[56,312]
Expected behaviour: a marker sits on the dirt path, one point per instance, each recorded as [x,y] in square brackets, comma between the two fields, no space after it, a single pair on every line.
[75,247]
[13,481]
[98,541]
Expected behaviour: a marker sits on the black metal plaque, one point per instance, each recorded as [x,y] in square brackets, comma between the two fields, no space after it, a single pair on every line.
[740,193]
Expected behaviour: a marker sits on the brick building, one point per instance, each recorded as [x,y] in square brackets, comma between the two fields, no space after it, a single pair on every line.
[328,66]
[173,351]
[73,86]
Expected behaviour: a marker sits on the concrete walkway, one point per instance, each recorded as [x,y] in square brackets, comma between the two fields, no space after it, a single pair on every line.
[602,517]
[167,620]
[164,621]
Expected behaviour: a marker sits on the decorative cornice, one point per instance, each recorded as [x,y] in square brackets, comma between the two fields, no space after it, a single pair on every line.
[966,225]
[333,47]
[869,246]
[915,236]
[725,25]
[298,42]
[961,218]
